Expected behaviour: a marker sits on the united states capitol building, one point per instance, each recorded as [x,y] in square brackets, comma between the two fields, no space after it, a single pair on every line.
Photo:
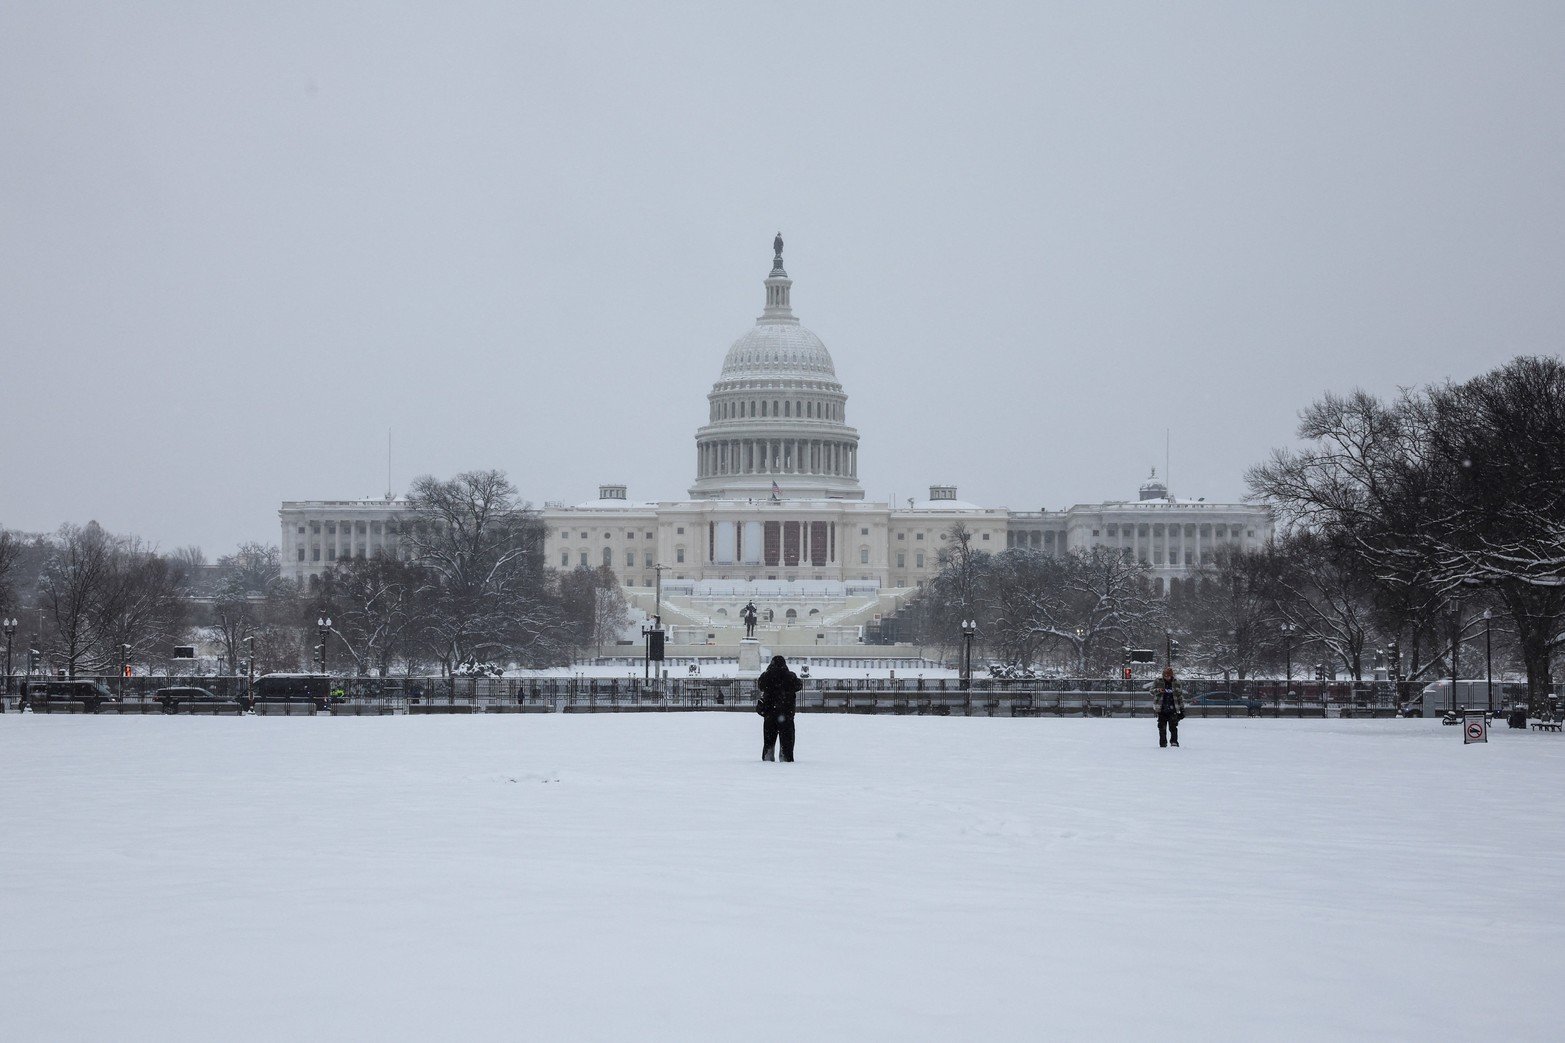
[776,515]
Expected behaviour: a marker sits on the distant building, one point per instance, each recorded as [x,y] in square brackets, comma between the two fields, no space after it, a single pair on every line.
[776,513]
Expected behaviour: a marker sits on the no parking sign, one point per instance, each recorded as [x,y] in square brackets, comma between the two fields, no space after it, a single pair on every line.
[1475,727]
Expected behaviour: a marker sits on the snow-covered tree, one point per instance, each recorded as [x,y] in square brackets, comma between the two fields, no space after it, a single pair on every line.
[1455,490]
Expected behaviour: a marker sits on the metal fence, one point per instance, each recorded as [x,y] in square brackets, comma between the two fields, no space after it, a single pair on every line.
[903,695]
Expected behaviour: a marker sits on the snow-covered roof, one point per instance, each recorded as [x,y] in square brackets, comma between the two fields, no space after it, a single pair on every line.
[945,505]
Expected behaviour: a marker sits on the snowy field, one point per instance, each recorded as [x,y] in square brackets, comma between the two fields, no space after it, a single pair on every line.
[630,877]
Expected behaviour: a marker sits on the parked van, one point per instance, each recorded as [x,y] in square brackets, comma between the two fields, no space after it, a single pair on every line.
[1435,699]
[278,688]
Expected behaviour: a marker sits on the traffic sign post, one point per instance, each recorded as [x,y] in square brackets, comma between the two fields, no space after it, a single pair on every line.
[1475,726]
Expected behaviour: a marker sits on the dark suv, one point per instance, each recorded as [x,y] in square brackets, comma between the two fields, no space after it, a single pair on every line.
[46,696]
[173,698]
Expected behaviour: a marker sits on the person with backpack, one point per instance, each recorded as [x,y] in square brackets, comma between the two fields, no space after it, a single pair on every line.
[1169,702]
[779,688]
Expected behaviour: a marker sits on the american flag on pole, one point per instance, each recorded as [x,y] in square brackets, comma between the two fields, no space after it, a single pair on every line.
[776,491]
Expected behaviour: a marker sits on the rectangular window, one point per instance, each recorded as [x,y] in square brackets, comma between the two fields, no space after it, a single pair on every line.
[629,535]
[863,532]
[646,560]
[818,543]
[647,536]
[773,543]
[863,555]
[901,560]
[679,531]
[583,559]
[630,559]
[791,543]
[986,535]
[918,559]
[583,536]
[301,553]
[301,530]
[679,555]
[920,536]
[901,535]
[565,559]
[315,554]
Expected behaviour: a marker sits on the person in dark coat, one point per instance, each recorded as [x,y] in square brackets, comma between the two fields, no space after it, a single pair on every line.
[1170,704]
[779,688]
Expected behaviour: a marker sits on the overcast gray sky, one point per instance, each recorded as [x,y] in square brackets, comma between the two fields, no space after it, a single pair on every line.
[241,241]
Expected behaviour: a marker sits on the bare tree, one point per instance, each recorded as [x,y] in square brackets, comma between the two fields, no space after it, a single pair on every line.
[141,607]
[1455,489]
[69,590]
[1228,612]
[485,596]
[375,609]
[1083,607]
[10,550]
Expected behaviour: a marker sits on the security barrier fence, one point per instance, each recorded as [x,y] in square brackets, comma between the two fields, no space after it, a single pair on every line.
[942,697]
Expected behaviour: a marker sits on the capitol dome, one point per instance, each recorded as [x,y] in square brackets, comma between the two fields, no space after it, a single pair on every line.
[778,349]
[776,422]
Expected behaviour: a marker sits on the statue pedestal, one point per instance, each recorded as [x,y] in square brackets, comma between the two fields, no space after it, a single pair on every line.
[749,655]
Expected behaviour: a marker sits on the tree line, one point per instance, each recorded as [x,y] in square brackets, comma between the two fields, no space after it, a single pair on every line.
[470,592]
[1410,532]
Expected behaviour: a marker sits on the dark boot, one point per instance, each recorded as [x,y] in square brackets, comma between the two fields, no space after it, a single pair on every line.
[768,755]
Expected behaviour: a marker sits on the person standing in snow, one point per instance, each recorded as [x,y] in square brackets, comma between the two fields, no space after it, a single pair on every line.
[779,693]
[1170,704]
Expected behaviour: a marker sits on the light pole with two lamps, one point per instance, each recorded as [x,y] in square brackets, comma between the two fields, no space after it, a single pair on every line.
[969,630]
[1288,630]
[1488,657]
[9,626]
[323,623]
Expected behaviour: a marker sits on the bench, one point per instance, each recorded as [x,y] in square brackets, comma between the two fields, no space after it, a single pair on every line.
[360,709]
[1546,724]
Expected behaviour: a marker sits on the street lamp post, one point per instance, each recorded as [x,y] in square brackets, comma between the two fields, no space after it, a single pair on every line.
[1488,657]
[1081,651]
[1288,630]
[969,629]
[9,626]
[124,667]
[1456,635]
[250,665]
[324,624]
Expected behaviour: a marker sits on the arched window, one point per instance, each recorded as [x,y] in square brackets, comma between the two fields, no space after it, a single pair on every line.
[763,408]
[791,616]
[608,557]
[786,407]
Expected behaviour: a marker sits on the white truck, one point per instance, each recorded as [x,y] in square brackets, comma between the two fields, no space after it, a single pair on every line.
[1435,699]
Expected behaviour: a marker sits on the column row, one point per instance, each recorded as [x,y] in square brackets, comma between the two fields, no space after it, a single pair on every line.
[776,456]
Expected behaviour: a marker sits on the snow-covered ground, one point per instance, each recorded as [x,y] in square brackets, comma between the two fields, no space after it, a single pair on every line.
[624,877]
